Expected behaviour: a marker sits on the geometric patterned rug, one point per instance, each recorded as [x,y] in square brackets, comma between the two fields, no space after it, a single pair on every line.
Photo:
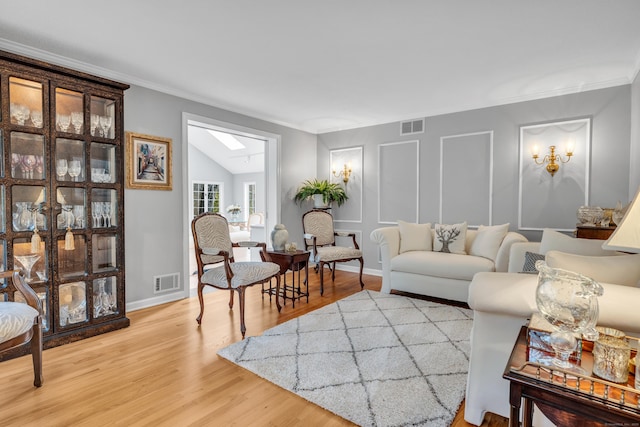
[374,359]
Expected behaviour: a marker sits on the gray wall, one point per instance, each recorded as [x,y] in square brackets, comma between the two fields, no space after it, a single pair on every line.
[155,229]
[634,174]
[609,109]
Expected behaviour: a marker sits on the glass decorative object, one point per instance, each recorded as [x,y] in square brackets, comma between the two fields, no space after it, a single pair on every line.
[569,302]
[590,215]
[611,359]
[27,262]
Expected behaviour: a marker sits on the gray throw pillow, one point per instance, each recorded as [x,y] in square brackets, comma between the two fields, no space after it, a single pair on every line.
[530,259]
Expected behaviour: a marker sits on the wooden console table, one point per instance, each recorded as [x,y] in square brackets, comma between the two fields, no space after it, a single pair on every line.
[566,399]
[294,261]
[600,233]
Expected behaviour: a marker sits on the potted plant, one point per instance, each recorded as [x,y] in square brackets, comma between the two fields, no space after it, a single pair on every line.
[322,191]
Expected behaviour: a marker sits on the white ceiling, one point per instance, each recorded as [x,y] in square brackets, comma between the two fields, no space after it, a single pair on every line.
[334,64]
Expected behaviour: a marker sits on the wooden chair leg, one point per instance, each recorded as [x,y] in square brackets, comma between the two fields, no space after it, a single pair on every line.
[36,352]
[241,290]
[333,272]
[201,299]
[231,298]
[321,268]
[277,292]
[361,267]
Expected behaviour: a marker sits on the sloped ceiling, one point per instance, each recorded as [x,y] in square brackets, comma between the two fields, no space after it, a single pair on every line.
[327,65]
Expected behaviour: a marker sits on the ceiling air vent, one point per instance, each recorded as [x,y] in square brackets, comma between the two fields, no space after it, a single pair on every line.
[411,127]
[166,283]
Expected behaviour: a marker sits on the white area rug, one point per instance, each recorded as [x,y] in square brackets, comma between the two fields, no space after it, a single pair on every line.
[374,359]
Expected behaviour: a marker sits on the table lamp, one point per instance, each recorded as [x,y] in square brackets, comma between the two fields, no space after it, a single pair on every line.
[626,237]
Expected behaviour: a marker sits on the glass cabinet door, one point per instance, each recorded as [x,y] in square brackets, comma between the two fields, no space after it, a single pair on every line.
[72,303]
[69,160]
[69,111]
[26,102]
[27,156]
[103,163]
[105,296]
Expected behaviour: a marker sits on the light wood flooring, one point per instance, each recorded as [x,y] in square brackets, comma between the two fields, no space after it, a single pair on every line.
[163,371]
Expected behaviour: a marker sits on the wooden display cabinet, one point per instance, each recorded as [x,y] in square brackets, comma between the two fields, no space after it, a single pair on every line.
[62,180]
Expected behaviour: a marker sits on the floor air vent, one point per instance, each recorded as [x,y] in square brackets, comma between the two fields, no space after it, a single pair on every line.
[411,127]
[166,283]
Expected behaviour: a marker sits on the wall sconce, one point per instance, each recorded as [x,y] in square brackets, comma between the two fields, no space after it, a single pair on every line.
[552,159]
[345,173]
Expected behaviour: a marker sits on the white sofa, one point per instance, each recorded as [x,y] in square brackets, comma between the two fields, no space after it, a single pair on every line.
[437,274]
[503,302]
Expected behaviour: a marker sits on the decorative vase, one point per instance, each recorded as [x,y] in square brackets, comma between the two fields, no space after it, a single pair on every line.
[318,201]
[279,237]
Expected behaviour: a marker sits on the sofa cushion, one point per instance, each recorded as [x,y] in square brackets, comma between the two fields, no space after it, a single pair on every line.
[440,264]
[555,241]
[450,238]
[488,241]
[621,270]
[414,237]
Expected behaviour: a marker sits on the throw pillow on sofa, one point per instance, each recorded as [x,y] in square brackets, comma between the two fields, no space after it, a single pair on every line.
[530,259]
[620,269]
[414,237]
[555,241]
[450,238]
[488,241]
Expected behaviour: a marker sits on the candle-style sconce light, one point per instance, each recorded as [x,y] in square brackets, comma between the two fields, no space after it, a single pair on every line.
[552,159]
[345,173]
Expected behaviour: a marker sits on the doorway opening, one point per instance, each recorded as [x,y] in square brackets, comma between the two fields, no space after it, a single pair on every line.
[233,171]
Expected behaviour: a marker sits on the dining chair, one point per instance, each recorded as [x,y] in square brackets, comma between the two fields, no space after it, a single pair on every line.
[21,323]
[320,239]
[214,249]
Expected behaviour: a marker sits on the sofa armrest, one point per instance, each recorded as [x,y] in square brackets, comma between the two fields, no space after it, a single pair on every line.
[504,252]
[516,255]
[388,239]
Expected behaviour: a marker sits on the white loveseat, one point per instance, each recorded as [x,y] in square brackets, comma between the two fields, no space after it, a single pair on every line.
[438,274]
[503,302]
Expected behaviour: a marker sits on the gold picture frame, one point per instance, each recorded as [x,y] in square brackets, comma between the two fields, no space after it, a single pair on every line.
[148,160]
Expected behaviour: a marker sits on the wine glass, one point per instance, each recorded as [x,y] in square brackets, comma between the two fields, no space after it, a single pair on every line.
[77,120]
[27,262]
[63,121]
[78,213]
[20,113]
[105,124]
[96,214]
[106,213]
[36,118]
[29,163]
[568,301]
[95,123]
[61,168]
[74,169]
[16,160]
[40,166]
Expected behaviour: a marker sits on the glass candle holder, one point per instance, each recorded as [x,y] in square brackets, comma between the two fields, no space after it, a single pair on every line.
[611,359]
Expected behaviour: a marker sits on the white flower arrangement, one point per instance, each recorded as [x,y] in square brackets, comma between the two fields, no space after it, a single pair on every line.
[233,209]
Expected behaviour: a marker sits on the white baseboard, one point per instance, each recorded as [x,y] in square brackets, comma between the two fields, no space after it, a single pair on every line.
[150,302]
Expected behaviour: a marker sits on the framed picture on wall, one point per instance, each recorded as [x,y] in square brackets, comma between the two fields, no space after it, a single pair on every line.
[148,162]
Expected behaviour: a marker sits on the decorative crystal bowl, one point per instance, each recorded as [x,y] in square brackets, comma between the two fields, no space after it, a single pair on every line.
[590,215]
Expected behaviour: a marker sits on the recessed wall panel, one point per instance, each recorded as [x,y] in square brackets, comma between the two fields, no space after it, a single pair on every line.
[466,178]
[548,201]
[398,176]
[352,157]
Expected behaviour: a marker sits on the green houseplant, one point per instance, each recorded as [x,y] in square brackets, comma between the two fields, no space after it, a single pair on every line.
[330,192]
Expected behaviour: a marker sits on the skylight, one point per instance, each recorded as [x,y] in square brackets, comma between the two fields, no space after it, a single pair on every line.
[230,141]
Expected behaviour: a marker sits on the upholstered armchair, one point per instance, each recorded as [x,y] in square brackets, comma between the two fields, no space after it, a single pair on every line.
[21,323]
[319,238]
[214,249]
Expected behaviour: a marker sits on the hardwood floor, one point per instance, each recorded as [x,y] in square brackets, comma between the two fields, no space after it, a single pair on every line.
[163,370]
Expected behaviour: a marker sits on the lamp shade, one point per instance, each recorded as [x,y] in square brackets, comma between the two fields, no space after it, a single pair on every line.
[626,237]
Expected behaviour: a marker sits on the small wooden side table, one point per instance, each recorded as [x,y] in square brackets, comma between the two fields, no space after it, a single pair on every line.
[600,233]
[294,261]
[567,400]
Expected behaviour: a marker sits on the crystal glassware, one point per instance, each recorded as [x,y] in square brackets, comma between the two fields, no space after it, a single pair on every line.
[36,118]
[63,121]
[105,124]
[27,262]
[74,169]
[106,213]
[26,217]
[16,161]
[61,168]
[19,112]
[96,214]
[568,301]
[28,164]
[77,120]
[95,123]
[78,213]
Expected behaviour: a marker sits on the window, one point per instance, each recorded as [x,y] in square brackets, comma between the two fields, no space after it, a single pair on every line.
[250,197]
[207,197]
